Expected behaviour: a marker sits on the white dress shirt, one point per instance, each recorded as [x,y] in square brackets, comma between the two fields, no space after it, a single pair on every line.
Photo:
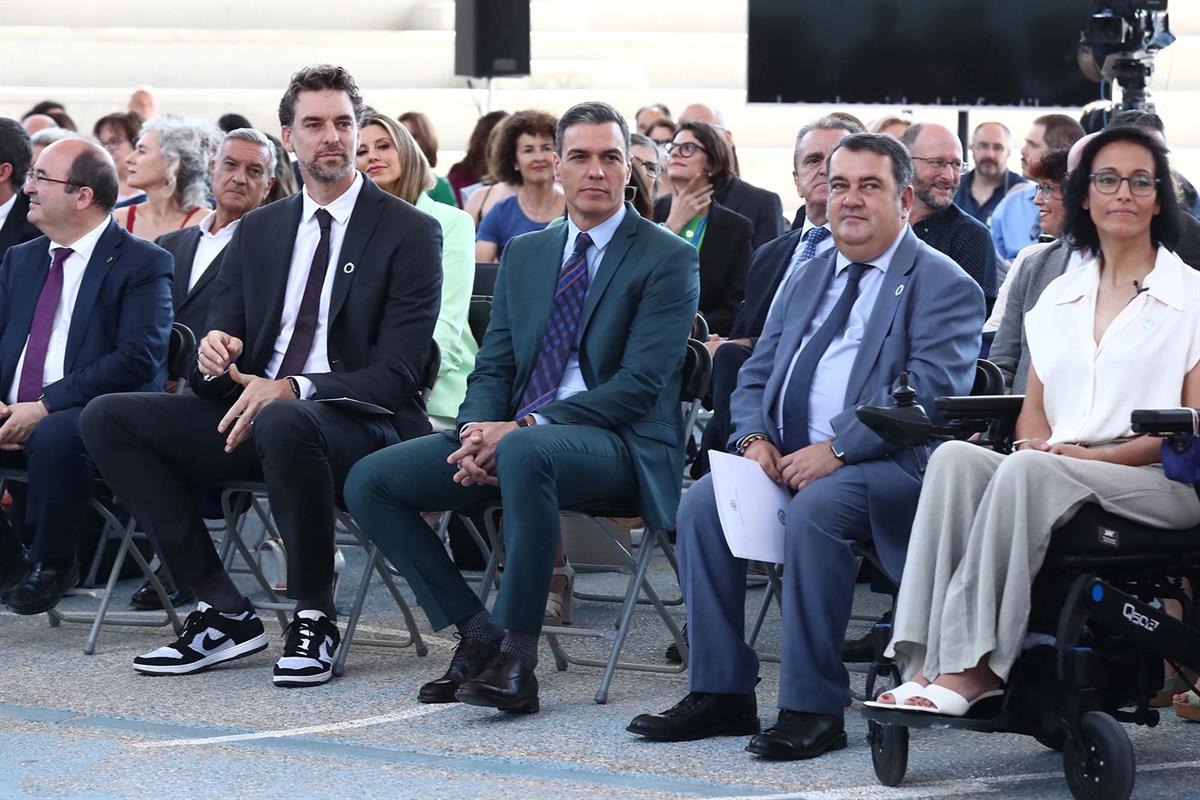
[827,397]
[73,269]
[1140,362]
[308,236]
[794,265]
[6,208]
[209,246]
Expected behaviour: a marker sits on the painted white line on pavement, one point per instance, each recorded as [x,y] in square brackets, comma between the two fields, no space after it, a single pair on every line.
[364,722]
[990,784]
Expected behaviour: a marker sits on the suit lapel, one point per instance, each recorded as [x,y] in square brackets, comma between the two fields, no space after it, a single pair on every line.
[802,305]
[277,262]
[367,210]
[108,250]
[538,299]
[184,265]
[621,241]
[26,286]
[891,292]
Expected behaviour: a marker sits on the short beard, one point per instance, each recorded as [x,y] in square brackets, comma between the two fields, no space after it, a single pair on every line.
[989,170]
[322,175]
[925,195]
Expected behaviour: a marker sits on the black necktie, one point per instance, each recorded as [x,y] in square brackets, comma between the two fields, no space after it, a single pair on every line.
[795,401]
[305,329]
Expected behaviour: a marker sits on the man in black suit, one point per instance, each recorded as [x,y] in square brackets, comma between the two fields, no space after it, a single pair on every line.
[84,311]
[317,340]
[16,154]
[243,173]
[763,208]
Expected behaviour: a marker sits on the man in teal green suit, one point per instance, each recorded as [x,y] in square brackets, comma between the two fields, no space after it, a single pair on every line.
[574,398]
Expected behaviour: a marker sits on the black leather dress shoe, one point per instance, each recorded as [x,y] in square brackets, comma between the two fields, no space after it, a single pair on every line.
[862,649]
[504,683]
[146,599]
[798,734]
[470,657]
[700,715]
[672,653]
[12,572]
[43,587]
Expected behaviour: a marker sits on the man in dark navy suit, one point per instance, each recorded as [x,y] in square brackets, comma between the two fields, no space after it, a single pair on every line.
[16,154]
[84,310]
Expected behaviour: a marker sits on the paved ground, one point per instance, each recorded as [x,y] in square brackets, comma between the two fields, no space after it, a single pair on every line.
[74,726]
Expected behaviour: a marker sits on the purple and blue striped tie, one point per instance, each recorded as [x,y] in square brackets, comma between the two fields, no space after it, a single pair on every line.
[559,338]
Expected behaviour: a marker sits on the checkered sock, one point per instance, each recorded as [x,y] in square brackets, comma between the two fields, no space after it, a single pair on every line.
[479,626]
[523,646]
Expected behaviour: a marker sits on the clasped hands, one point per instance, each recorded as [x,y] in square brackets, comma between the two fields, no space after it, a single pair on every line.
[476,456]
[795,470]
[19,421]
[217,354]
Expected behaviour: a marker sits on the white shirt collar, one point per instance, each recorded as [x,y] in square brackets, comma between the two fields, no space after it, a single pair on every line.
[809,225]
[85,244]
[600,234]
[881,262]
[340,209]
[7,207]
[1164,283]
[206,224]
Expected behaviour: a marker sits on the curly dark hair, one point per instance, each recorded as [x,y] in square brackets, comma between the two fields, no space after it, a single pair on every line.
[1078,227]
[716,147]
[1051,168]
[316,79]
[503,158]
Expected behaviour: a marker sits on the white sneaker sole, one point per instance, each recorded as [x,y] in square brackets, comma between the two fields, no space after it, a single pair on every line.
[303,680]
[246,648]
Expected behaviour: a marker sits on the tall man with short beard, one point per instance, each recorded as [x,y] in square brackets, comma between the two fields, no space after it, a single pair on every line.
[982,189]
[329,294]
[937,221]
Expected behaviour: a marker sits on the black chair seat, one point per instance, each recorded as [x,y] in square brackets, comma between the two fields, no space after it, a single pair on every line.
[1094,531]
[606,508]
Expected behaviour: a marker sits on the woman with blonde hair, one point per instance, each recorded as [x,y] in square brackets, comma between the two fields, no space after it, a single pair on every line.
[172,164]
[390,157]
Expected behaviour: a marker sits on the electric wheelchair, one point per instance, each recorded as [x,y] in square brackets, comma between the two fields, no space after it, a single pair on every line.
[1098,600]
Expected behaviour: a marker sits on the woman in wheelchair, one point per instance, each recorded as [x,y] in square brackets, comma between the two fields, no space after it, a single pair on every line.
[1121,332]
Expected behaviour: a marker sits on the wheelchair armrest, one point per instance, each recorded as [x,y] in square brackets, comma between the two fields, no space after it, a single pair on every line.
[1163,422]
[981,407]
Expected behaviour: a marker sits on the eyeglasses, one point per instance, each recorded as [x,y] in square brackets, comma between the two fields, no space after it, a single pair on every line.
[651,168]
[685,149]
[939,164]
[38,180]
[113,144]
[1110,183]
[1047,190]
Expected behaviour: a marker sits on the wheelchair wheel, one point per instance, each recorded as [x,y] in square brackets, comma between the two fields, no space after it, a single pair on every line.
[889,751]
[1103,768]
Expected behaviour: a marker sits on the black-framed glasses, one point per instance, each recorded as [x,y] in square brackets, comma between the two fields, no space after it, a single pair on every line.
[1047,190]
[38,180]
[939,164]
[685,149]
[1140,185]
[651,168]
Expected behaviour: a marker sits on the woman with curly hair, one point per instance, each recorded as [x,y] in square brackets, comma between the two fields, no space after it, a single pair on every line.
[172,163]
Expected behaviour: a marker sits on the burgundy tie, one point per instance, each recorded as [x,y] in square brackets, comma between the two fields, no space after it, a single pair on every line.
[34,368]
[305,329]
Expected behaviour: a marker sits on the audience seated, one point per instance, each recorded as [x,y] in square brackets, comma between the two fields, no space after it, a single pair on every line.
[325,301]
[16,156]
[171,163]
[113,293]
[118,133]
[392,158]
[983,187]
[647,116]
[44,107]
[763,208]
[1014,222]
[648,161]
[661,132]
[232,122]
[524,158]
[891,124]
[574,398]
[984,519]
[879,302]
[143,101]
[471,170]
[38,122]
[699,166]
[47,136]
[937,221]
[422,131]
[286,183]
[62,119]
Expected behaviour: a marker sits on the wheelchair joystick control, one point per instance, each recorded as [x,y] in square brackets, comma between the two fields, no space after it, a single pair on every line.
[905,423]
[903,394]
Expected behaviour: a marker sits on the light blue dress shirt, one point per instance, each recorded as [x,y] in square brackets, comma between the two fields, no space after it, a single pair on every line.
[827,398]
[1014,222]
[794,265]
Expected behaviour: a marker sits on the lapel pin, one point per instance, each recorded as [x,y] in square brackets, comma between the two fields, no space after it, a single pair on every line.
[109,261]
[348,268]
[899,290]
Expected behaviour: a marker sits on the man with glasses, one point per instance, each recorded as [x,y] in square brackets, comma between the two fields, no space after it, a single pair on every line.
[937,221]
[15,157]
[85,311]
[982,189]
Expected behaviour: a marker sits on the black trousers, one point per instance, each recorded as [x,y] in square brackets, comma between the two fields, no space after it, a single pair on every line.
[726,363]
[153,449]
[51,510]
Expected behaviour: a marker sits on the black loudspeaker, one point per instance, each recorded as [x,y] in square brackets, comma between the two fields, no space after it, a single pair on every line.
[491,38]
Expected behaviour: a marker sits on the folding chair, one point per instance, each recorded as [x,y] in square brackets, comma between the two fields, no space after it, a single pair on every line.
[697,367]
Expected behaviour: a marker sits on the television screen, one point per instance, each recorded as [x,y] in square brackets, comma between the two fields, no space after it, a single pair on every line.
[926,52]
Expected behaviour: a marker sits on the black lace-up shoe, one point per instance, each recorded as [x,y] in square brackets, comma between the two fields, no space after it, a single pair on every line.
[208,638]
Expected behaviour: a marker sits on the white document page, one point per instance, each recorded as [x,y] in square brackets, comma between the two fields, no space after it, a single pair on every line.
[751,506]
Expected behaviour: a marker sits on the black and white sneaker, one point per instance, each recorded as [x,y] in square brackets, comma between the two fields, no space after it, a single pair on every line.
[208,638]
[310,642]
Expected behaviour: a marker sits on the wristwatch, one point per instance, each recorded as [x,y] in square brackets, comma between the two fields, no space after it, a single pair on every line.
[526,421]
[295,386]
[838,453]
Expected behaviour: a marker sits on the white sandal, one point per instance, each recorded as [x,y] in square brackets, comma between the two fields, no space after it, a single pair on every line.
[899,695]
[560,607]
[948,702]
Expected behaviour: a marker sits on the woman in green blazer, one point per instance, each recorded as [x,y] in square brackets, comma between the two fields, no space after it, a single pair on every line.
[390,157]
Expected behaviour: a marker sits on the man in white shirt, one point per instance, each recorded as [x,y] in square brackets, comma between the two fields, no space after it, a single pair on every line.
[85,311]
[318,342]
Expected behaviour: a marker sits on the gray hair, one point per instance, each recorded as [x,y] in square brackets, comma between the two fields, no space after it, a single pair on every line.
[829,122]
[881,144]
[254,137]
[188,147]
[642,140]
[48,136]
[591,113]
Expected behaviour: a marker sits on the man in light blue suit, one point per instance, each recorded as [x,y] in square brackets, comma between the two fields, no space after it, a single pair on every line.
[879,303]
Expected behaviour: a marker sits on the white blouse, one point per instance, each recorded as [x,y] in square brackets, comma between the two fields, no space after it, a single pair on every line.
[1142,358]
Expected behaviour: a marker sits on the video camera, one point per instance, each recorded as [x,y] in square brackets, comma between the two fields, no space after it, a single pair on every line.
[1119,43]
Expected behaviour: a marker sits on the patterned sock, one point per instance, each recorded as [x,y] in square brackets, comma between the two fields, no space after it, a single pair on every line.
[523,646]
[479,626]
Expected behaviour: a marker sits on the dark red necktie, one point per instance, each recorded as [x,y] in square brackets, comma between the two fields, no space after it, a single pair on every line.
[305,330]
[34,368]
